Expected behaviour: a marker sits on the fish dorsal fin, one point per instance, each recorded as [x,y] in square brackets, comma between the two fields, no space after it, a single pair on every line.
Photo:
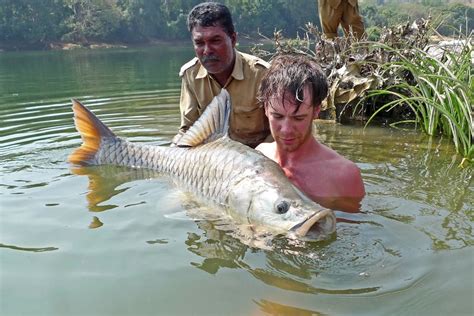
[211,125]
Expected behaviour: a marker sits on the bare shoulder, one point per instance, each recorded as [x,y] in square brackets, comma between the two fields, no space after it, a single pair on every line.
[347,168]
[340,164]
[345,172]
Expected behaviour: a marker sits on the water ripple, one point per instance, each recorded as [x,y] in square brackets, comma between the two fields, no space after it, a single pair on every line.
[27,126]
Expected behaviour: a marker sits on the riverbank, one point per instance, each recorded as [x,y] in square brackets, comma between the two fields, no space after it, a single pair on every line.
[21,46]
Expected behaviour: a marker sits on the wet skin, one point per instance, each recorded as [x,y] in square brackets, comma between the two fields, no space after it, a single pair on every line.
[325,176]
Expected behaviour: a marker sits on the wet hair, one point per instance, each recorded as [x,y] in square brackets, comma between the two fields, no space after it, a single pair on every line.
[211,14]
[287,77]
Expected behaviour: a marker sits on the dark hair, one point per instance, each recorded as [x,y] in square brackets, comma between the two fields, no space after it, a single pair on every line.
[288,75]
[211,14]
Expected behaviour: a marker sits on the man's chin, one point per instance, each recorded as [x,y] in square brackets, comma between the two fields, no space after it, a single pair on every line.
[288,146]
[213,67]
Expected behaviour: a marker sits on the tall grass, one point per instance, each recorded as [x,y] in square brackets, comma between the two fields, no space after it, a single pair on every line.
[438,89]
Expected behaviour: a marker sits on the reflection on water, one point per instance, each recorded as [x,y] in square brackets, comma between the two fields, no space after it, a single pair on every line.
[96,223]
[104,183]
[307,267]
[43,249]
[71,234]
[412,178]
[273,308]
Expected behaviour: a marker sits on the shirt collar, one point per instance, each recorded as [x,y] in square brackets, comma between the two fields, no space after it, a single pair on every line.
[237,72]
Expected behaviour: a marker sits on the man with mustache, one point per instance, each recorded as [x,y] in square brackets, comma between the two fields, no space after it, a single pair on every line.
[219,65]
[292,92]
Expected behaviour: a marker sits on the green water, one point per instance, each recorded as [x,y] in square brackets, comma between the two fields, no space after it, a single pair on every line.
[115,241]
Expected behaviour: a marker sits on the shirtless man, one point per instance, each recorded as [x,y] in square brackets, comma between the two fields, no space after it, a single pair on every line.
[292,91]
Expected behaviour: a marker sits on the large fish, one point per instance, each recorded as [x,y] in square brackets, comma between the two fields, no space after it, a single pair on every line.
[250,187]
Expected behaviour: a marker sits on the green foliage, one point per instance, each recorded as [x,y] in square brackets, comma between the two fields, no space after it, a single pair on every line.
[432,3]
[154,19]
[455,17]
[91,20]
[84,21]
[266,16]
[382,16]
[175,16]
[460,19]
[34,22]
[438,90]
[31,22]
[139,19]
[373,33]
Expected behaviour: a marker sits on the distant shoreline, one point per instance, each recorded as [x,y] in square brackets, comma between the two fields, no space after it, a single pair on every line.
[17,46]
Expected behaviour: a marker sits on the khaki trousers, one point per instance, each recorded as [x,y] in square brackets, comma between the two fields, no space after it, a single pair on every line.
[343,12]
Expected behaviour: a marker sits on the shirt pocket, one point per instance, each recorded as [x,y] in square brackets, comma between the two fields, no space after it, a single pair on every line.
[247,121]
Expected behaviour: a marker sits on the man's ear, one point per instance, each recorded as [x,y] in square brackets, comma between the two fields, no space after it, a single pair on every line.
[316,111]
[233,39]
[265,108]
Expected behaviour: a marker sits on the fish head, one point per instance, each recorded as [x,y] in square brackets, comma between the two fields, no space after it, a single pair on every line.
[269,199]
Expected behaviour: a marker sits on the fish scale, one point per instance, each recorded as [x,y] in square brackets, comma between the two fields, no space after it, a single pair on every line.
[226,165]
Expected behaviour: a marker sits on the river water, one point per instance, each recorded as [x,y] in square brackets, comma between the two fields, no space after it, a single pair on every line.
[115,241]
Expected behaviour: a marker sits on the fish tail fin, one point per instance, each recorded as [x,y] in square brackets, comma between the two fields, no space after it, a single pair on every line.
[92,130]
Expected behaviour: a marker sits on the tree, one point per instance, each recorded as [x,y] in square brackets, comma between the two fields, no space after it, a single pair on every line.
[460,19]
[31,22]
[92,20]
[176,14]
[266,16]
[39,22]
[141,19]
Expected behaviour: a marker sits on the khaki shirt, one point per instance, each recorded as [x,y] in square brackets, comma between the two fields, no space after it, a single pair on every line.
[248,123]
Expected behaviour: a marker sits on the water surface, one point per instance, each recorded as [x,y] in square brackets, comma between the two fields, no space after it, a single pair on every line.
[116,241]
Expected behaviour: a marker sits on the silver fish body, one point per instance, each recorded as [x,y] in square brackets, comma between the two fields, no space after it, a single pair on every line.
[250,187]
[209,170]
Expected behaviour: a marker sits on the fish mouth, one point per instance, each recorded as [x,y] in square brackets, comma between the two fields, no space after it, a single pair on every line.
[317,226]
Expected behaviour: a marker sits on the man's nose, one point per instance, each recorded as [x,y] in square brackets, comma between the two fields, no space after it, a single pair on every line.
[207,49]
[286,126]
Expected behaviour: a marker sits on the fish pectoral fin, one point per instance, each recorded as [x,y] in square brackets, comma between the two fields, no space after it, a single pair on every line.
[211,125]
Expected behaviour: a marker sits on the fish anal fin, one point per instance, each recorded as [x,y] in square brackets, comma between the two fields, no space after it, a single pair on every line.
[212,124]
[91,129]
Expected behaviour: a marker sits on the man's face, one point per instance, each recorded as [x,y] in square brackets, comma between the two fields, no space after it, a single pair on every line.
[291,129]
[214,48]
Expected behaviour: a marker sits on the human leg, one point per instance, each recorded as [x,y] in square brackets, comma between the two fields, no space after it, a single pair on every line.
[330,15]
[351,20]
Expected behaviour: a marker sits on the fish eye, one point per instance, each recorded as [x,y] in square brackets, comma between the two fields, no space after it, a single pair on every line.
[282,207]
